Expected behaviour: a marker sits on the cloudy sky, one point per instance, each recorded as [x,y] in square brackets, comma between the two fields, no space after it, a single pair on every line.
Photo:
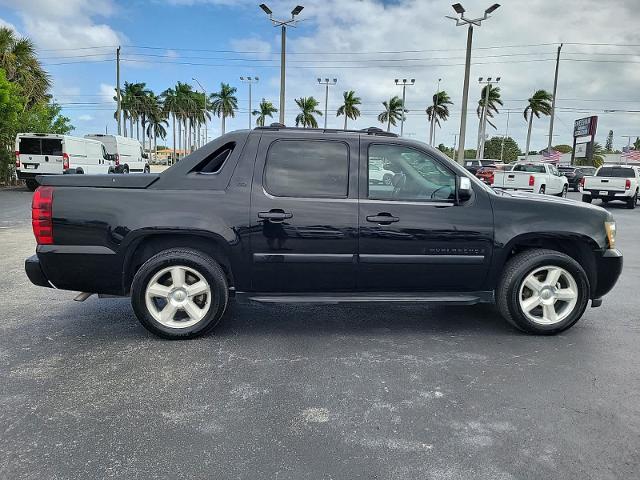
[364,44]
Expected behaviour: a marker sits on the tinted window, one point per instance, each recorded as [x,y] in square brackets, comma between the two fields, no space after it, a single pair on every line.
[30,146]
[529,168]
[416,176]
[616,172]
[307,168]
[51,146]
[213,162]
[587,170]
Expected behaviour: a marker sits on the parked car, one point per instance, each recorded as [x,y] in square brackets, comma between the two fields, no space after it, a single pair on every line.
[51,154]
[287,215]
[379,174]
[613,182]
[542,178]
[127,152]
[575,175]
[486,173]
[474,165]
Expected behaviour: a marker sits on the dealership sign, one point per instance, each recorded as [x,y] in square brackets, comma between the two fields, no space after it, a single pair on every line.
[585,126]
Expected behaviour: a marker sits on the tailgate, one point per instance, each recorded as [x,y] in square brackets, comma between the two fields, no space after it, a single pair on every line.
[104,181]
[512,180]
[605,183]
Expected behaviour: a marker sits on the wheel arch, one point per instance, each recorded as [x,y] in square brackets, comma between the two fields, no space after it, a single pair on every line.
[579,247]
[146,246]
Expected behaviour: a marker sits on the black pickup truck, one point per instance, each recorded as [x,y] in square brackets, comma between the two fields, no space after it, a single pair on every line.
[287,215]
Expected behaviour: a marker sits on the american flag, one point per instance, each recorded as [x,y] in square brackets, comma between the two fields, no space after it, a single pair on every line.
[633,155]
[551,156]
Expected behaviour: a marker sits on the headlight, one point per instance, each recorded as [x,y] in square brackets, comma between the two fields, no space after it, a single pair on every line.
[610,228]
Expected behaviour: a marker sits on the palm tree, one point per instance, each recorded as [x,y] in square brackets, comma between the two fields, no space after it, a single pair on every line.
[184,108]
[491,108]
[20,63]
[224,103]
[393,111]
[266,109]
[170,107]
[157,120]
[308,109]
[349,108]
[436,112]
[539,103]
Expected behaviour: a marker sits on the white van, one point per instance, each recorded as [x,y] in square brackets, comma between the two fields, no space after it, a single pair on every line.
[52,154]
[127,152]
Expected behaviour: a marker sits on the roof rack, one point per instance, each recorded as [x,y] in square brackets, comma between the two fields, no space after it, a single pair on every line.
[367,131]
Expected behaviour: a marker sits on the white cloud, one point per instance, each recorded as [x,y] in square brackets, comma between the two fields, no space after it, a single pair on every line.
[255,47]
[85,118]
[107,92]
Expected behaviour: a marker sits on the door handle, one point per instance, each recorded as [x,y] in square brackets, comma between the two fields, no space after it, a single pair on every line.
[275,215]
[382,218]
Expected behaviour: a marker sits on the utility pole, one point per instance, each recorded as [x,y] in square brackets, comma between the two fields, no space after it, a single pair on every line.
[483,119]
[553,100]
[462,20]
[404,84]
[455,142]
[504,136]
[118,88]
[432,129]
[283,47]
[250,81]
[326,84]
[206,137]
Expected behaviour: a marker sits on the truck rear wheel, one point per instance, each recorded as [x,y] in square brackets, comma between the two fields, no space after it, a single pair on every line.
[542,291]
[179,293]
[633,201]
[587,198]
[31,184]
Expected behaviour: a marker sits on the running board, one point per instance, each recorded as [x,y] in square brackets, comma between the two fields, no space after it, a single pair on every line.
[467,298]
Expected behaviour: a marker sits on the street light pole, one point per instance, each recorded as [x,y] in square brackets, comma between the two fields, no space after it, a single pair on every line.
[118,90]
[204,92]
[249,80]
[504,136]
[326,84]
[553,100]
[404,84]
[483,120]
[283,47]
[462,20]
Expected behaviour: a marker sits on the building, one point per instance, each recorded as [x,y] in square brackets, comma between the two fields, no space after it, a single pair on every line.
[165,156]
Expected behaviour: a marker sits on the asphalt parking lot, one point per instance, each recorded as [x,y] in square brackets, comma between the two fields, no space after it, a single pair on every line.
[305,392]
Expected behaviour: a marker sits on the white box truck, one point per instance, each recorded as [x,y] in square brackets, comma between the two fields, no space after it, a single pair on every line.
[127,152]
[52,154]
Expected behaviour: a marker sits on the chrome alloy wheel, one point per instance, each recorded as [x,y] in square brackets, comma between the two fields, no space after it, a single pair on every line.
[548,295]
[178,296]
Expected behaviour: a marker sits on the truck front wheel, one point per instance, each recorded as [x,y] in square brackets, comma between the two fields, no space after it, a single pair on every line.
[542,291]
[179,293]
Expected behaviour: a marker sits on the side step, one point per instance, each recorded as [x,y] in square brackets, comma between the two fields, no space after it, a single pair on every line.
[451,298]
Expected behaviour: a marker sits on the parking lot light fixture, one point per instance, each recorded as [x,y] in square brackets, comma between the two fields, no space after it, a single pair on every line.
[470,22]
[250,81]
[404,84]
[283,24]
[326,84]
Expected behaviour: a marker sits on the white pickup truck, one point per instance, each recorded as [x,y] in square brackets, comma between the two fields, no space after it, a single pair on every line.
[543,178]
[613,182]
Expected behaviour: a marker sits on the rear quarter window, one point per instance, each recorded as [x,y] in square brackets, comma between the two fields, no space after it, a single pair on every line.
[616,172]
[30,146]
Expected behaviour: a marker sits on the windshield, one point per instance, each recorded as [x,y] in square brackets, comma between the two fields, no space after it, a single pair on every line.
[616,172]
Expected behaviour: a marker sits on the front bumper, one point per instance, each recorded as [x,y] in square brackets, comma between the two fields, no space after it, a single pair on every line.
[35,273]
[609,267]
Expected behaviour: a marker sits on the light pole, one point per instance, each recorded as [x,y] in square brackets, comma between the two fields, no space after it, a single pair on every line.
[250,81]
[482,128]
[404,84]
[462,20]
[504,136]
[326,84]
[283,25]
[432,132]
[206,137]
[553,101]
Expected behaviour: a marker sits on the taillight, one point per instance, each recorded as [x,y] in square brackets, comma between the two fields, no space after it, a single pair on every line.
[532,180]
[17,159]
[41,215]
[582,182]
[491,178]
[627,184]
[117,159]
[65,161]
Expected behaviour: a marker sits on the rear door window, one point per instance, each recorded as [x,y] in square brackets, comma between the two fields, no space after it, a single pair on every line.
[51,146]
[616,172]
[30,146]
[529,168]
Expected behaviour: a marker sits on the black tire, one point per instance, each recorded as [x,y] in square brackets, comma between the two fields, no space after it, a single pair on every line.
[563,193]
[587,198]
[542,190]
[147,169]
[387,179]
[125,169]
[632,202]
[31,184]
[195,261]
[516,271]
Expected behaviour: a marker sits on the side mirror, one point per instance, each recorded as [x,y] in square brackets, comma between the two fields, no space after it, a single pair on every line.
[464,189]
